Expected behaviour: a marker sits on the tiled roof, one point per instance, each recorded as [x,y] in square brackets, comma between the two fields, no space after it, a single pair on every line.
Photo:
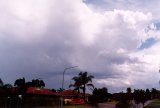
[35,90]
[67,93]
[71,93]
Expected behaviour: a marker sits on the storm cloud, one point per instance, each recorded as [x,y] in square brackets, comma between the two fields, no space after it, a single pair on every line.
[40,38]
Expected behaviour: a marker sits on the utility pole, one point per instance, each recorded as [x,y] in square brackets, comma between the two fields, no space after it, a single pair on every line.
[63,81]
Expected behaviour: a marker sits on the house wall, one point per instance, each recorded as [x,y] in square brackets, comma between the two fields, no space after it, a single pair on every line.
[28,101]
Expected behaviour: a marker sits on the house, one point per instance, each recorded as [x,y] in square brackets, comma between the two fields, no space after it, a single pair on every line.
[72,97]
[36,90]
[35,97]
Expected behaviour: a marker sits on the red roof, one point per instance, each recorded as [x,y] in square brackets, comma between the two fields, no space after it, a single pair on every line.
[77,101]
[67,93]
[71,93]
[35,90]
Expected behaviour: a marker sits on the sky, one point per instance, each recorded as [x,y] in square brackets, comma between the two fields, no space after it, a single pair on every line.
[117,41]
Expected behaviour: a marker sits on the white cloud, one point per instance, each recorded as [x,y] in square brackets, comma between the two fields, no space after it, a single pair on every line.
[41,38]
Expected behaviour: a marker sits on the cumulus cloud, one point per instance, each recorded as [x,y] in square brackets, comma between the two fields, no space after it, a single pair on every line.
[40,38]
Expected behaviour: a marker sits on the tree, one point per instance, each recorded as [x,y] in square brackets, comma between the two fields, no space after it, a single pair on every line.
[129,95]
[154,93]
[129,90]
[60,90]
[20,84]
[81,81]
[53,90]
[7,86]
[40,83]
[139,96]
[29,84]
[36,83]
[148,94]
[77,84]
[86,80]
[101,94]
[124,99]
[1,83]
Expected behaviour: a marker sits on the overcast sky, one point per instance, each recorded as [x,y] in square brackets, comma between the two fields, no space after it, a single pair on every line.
[117,41]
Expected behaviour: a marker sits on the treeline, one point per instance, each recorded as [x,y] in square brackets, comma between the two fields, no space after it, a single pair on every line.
[22,86]
[125,100]
[100,95]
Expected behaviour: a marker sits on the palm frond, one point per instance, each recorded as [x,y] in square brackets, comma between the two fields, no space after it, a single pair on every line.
[75,78]
[80,74]
[91,76]
[71,85]
[90,85]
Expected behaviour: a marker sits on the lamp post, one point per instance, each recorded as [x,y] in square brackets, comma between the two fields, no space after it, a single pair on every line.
[63,81]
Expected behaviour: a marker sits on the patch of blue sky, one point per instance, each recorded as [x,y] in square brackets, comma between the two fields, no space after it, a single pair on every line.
[97,2]
[157,25]
[148,43]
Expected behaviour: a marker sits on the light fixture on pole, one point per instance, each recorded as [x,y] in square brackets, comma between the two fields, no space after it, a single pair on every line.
[63,81]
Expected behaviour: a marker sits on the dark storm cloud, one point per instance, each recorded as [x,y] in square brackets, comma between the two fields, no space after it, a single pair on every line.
[39,39]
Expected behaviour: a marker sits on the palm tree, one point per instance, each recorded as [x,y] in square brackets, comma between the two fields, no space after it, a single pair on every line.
[77,84]
[86,80]
[81,81]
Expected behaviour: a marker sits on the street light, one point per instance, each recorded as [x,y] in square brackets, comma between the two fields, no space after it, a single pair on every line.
[63,81]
